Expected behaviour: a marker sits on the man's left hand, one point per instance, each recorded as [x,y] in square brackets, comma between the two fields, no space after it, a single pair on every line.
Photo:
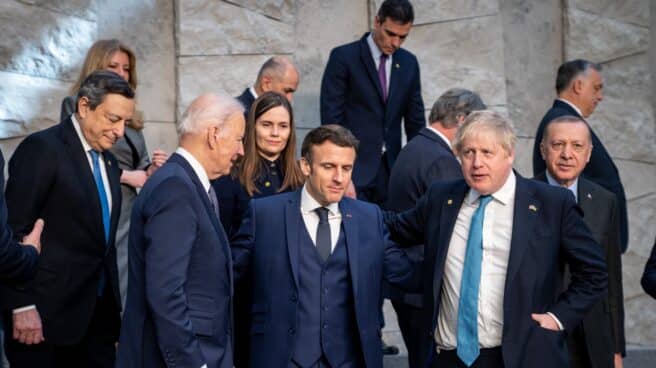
[545,321]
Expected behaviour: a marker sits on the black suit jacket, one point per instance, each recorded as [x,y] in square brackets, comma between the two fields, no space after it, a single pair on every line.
[246,99]
[648,280]
[50,178]
[601,169]
[425,159]
[351,95]
[603,326]
[547,228]
[17,263]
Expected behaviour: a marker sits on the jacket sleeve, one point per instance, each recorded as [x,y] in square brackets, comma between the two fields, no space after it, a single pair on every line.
[615,291]
[334,85]
[649,276]
[414,118]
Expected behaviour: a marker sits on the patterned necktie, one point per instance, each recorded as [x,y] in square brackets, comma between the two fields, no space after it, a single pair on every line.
[323,233]
[382,75]
[467,346]
[214,201]
[102,195]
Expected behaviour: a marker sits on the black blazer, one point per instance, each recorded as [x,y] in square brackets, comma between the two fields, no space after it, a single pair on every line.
[246,98]
[547,228]
[425,159]
[351,96]
[648,280]
[601,169]
[603,326]
[17,263]
[50,178]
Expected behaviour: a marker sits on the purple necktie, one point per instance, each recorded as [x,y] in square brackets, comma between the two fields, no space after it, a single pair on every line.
[381,75]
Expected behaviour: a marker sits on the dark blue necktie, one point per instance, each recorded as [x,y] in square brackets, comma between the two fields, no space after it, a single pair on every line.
[323,233]
[467,330]
[214,201]
[102,195]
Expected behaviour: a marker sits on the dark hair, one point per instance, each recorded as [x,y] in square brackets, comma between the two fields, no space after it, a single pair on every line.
[569,70]
[397,10]
[250,167]
[452,103]
[565,119]
[334,133]
[101,83]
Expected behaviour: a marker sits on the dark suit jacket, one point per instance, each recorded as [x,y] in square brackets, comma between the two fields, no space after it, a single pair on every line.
[50,178]
[246,99]
[547,228]
[178,309]
[351,96]
[603,326]
[648,280]
[17,262]
[425,159]
[267,246]
[601,169]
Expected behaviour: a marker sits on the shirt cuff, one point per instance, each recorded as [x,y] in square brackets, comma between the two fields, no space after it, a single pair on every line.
[23,309]
[204,366]
[560,325]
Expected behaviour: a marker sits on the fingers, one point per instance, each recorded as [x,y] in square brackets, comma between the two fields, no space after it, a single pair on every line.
[38,227]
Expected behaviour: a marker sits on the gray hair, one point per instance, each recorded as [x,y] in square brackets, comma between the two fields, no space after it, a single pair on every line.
[275,67]
[565,119]
[101,83]
[570,70]
[454,103]
[208,110]
[487,120]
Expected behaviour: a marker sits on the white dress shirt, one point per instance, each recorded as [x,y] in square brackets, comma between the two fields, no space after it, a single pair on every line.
[198,168]
[574,188]
[251,89]
[578,111]
[439,134]
[311,218]
[375,53]
[497,234]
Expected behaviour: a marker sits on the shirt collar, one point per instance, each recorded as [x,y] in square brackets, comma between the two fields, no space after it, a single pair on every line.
[375,51]
[439,134]
[504,195]
[196,166]
[78,129]
[574,188]
[578,111]
[251,89]
[309,204]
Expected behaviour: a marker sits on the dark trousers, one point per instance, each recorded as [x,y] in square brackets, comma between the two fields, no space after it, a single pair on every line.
[578,352]
[323,363]
[413,332]
[97,348]
[489,358]
[376,190]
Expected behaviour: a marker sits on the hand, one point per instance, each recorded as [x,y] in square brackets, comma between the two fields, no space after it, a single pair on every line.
[33,239]
[159,157]
[350,191]
[618,361]
[545,321]
[134,178]
[27,327]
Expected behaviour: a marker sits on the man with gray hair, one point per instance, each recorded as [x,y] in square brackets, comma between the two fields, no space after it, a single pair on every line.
[494,243]
[179,305]
[428,157]
[277,74]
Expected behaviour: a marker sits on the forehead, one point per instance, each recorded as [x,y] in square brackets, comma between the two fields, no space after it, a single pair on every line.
[396,27]
[329,152]
[592,75]
[115,103]
[568,130]
[482,138]
[235,124]
[277,113]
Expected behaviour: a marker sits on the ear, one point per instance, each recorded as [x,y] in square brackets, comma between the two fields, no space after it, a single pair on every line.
[543,151]
[83,107]
[266,83]
[577,85]
[211,135]
[305,166]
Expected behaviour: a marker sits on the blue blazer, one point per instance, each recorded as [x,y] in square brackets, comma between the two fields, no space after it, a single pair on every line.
[548,228]
[178,308]
[267,246]
[601,169]
[648,280]
[351,96]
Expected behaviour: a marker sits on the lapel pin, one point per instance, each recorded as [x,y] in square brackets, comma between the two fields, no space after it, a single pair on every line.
[397,65]
[109,163]
[589,196]
[532,208]
[449,201]
[348,215]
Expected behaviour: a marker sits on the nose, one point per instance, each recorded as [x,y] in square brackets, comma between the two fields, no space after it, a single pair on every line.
[275,131]
[119,129]
[339,176]
[476,160]
[566,152]
[396,42]
[290,96]
[240,149]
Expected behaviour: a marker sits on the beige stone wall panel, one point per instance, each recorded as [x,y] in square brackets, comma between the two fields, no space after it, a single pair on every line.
[282,10]
[638,178]
[431,11]
[80,8]
[628,11]
[209,27]
[160,136]
[42,43]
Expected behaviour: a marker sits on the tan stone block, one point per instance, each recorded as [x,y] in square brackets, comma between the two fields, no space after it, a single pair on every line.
[431,11]
[80,8]
[282,10]
[638,178]
[642,232]
[629,11]
[640,314]
[524,157]
[160,135]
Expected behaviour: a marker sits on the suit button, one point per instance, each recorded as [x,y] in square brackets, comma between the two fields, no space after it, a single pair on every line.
[292,331]
[325,326]
[293,298]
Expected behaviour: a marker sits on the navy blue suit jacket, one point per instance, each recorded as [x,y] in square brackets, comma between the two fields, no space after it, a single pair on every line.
[648,280]
[547,229]
[246,98]
[267,246]
[17,263]
[178,307]
[351,96]
[601,169]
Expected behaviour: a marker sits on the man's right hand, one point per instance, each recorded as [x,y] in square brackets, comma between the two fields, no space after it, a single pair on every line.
[27,327]
[34,238]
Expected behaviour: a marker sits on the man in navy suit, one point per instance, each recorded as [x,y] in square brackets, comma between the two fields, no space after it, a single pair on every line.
[317,260]
[427,158]
[179,305]
[369,86]
[277,74]
[648,280]
[580,88]
[68,315]
[494,243]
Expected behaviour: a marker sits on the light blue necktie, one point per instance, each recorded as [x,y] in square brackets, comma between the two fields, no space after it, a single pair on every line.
[102,195]
[467,348]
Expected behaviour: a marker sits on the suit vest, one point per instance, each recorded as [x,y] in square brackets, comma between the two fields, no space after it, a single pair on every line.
[326,313]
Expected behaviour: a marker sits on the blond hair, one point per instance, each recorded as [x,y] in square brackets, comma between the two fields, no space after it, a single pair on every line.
[486,120]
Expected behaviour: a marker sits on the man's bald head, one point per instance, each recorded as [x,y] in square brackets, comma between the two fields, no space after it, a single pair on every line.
[278,74]
[207,110]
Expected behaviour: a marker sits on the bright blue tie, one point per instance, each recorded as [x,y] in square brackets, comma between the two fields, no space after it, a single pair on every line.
[102,195]
[468,349]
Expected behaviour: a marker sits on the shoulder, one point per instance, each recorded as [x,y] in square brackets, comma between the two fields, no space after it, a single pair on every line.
[346,50]
[276,201]
[598,192]
[46,140]
[404,55]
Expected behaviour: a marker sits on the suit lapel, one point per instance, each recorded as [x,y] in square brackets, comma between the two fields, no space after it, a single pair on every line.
[368,61]
[114,179]
[351,237]
[293,219]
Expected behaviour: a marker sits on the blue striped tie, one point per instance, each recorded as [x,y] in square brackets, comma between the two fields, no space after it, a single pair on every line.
[102,195]
[467,347]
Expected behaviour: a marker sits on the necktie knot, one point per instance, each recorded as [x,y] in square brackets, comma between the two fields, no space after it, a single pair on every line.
[322,212]
[484,200]
[94,155]
[383,58]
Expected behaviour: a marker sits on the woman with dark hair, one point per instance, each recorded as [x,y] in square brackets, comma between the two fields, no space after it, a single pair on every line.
[268,167]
